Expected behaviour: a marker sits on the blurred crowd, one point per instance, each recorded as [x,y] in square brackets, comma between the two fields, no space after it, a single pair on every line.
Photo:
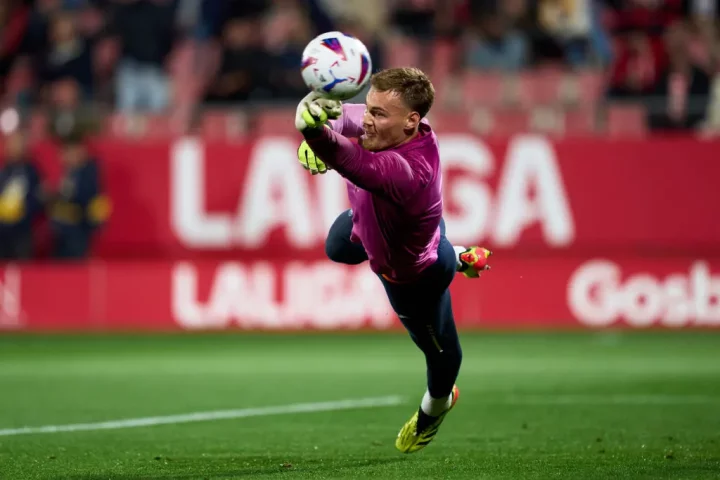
[79,61]
[155,56]
[55,219]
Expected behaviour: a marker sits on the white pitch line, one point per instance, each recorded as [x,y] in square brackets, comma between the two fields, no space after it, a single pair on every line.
[213,415]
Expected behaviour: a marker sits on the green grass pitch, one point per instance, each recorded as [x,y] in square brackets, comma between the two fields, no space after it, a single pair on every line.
[532,406]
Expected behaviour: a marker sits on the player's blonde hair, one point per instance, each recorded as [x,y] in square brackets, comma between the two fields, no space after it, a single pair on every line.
[410,83]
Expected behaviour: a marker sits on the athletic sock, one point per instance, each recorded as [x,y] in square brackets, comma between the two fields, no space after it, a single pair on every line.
[434,407]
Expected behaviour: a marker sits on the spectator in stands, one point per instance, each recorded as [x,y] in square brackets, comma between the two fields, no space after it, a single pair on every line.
[636,67]
[287,32]
[371,39]
[704,34]
[78,207]
[372,15]
[651,16]
[146,30]
[68,115]
[491,43]
[215,13]
[69,56]
[682,92]
[244,64]
[564,31]
[14,21]
[19,199]
[416,19]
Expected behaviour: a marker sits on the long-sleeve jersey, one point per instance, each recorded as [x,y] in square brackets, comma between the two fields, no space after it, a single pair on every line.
[395,194]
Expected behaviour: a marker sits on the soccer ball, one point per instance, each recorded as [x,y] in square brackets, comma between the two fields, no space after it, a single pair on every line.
[335,65]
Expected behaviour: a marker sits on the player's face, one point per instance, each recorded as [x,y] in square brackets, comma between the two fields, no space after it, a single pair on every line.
[388,122]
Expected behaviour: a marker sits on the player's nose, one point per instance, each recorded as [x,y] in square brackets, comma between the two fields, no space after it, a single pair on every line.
[367,119]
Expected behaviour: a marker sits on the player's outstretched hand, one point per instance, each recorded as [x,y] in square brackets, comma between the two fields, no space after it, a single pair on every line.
[309,161]
[313,111]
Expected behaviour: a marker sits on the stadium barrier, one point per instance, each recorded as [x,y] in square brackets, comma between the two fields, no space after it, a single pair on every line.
[212,235]
[524,196]
[620,292]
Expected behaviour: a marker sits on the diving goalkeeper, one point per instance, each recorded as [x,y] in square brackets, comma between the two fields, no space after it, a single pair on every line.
[395,222]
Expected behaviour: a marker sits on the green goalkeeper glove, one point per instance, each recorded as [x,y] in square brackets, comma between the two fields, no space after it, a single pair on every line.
[309,161]
[314,111]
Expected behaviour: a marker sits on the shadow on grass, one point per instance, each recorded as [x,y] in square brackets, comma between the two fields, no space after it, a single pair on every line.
[224,468]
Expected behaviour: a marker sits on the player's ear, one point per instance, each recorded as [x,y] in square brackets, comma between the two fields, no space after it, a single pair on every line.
[412,121]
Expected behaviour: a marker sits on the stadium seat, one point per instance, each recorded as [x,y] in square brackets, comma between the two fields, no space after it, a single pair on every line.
[221,125]
[582,89]
[626,121]
[274,121]
[401,52]
[142,126]
[443,121]
[540,87]
[444,54]
[581,122]
[547,119]
[485,89]
[500,122]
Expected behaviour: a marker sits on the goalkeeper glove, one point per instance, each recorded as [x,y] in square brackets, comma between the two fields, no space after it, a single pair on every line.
[314,110]
[309,161]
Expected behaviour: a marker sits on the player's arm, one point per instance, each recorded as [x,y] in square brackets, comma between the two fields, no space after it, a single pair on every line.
[386,173]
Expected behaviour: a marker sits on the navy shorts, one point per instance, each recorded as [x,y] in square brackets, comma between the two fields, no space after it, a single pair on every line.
[423,305]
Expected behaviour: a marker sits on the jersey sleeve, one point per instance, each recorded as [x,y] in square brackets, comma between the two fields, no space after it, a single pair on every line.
[387,173]
[350,122]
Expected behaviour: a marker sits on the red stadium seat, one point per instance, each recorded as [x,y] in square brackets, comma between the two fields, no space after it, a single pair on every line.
[580,123]
[142,126]
[541,87]
[592,86]
[274,121]
[443,61]
[500,122]
[626,121]
[549,120]
[484,88]
[583,88]
[401,52]
[220,125]
[449,122]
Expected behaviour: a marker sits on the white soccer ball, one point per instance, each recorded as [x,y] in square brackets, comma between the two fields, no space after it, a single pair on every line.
[335,65]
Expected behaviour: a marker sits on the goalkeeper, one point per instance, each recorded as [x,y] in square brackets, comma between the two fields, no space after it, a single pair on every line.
[395,222]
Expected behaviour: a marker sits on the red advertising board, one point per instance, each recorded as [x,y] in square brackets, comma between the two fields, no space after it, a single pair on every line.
[205,235]
[271,295]
[528,196]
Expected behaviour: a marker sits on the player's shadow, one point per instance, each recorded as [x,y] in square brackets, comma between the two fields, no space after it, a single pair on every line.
[272,467]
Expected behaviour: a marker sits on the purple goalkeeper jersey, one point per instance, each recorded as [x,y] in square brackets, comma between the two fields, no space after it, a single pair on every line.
[395,194]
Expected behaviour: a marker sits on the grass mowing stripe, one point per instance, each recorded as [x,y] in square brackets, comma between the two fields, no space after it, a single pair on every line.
[213,415]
